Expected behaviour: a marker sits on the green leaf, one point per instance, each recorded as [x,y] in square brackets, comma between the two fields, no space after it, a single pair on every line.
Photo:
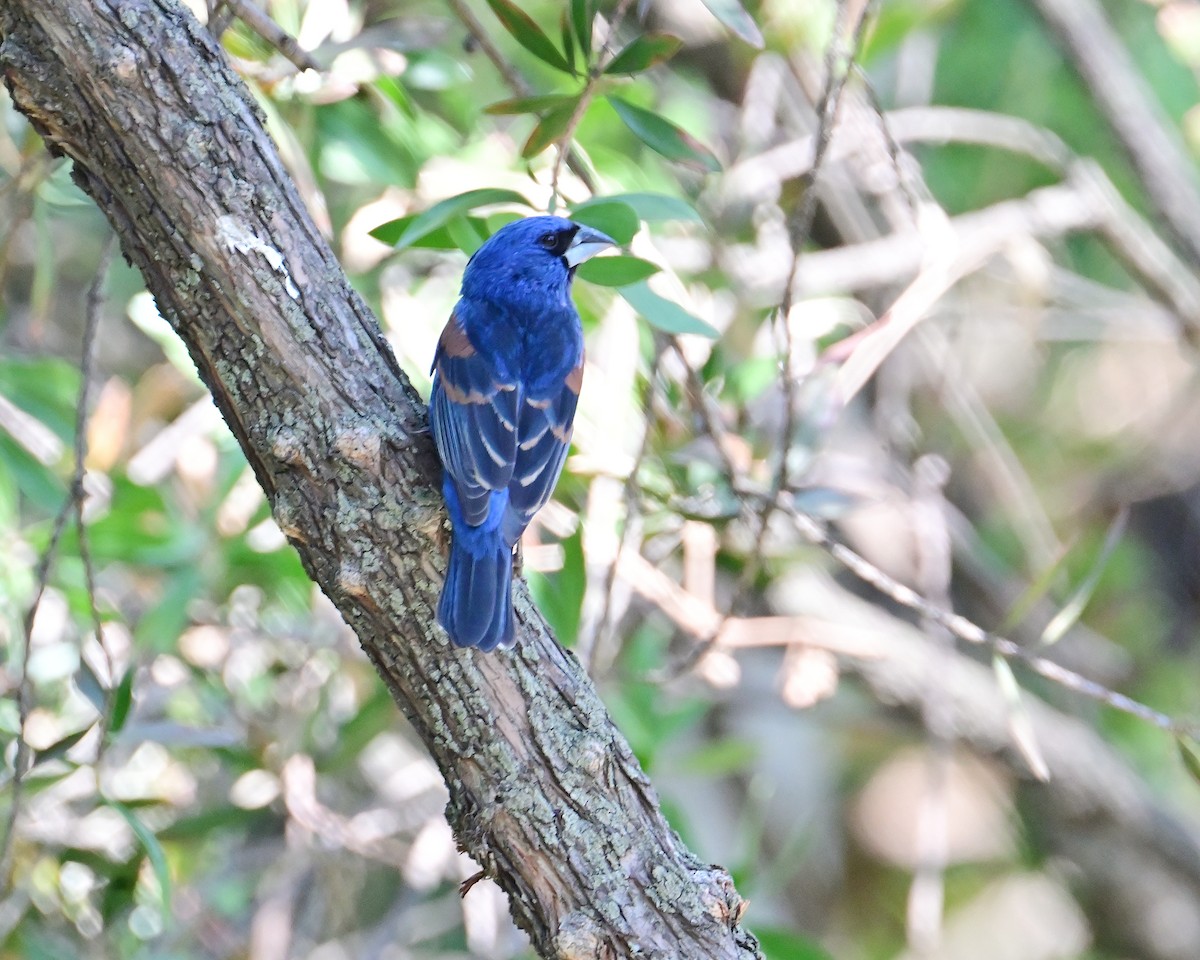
[568,41]
[736,20]
[439,239]
[657,206]
[664,137]
[780,944]
[442,212]
[435,70]
[548,129]
[582,18]
[663,314]
[720,758]
[528,34]
[644,52]
[90,686]
[466,235]
[616,219]
[1069,615]
[616,271]
[1020,723]
[1034,594]
[154,850]
[1189,756]
[559,595]
[122,701]
[58,749]
[529,104]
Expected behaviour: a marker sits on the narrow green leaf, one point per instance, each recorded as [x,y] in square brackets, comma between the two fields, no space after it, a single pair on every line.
[439,239]
[1074,607]
[720,758]
[528,34]
[582,17]
[466,236]
[665,137]
[614,218]
[529,104]
[644,52]
[548,129]
[58,749]
[90,686]
[616,271]
[650,206]
[568,41]
[663,314]
[827,503]
[780,944]
[1034,594]
[154,851]
[736,20]
[122,701]
[1189,756]
[394,91]
[1020,724]
[440,213]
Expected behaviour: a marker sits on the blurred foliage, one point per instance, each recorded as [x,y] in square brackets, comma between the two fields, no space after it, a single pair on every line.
[221,774]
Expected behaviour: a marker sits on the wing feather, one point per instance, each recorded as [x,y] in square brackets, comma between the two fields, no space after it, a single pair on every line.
[544,434]
[473,411]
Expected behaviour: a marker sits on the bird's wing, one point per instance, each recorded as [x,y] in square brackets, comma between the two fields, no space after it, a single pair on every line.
[543,434]
[475,414]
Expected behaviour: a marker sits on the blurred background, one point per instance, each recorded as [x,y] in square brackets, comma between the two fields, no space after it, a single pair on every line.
[990,310]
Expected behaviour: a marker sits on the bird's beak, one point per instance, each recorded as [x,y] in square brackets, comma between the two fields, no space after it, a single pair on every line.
[587,243]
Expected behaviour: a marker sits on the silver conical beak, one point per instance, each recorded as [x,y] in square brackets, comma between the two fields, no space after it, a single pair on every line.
[587,243]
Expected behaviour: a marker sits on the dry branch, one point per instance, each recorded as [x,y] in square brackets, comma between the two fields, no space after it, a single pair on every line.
[545,793]
[1147,136]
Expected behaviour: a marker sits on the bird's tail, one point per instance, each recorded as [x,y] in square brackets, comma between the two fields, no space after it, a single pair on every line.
[476,606]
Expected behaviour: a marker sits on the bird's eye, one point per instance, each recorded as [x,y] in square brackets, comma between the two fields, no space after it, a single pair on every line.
[548,240]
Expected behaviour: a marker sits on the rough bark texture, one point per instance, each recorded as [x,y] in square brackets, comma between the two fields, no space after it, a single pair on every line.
[545,793]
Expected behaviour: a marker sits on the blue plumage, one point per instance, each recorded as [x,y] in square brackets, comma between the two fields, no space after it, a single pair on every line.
[507,374]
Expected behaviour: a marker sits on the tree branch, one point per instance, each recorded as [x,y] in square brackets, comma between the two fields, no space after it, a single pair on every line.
[545,793]
[1141,126]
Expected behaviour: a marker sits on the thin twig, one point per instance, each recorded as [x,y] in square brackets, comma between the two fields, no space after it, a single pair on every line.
[564,144]
[513,78]
[41,576]
[1147,135]
[95,300]
[632,510]
[261,23]
[839,61]
[817,534]
[73,504]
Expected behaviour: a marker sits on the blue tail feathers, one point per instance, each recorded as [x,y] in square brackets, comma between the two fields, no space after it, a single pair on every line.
[476,605]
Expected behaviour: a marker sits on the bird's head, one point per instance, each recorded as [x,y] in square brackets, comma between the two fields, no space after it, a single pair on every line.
[536,255]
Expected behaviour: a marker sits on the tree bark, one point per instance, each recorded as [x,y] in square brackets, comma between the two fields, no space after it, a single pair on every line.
[544,791]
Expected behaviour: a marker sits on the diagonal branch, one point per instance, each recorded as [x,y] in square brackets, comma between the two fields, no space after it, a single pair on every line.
[1141,126]
[545,793]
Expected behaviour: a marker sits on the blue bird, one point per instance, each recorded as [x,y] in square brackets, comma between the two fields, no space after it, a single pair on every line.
[506,378]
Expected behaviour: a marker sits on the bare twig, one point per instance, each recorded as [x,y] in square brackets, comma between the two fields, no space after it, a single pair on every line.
[261,23]
[895,257]
[1141,126]
[630,496]
[41,577]
[817,534]
[513,78]
[564,144]
[839,59]
[73,504]
[95,300]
